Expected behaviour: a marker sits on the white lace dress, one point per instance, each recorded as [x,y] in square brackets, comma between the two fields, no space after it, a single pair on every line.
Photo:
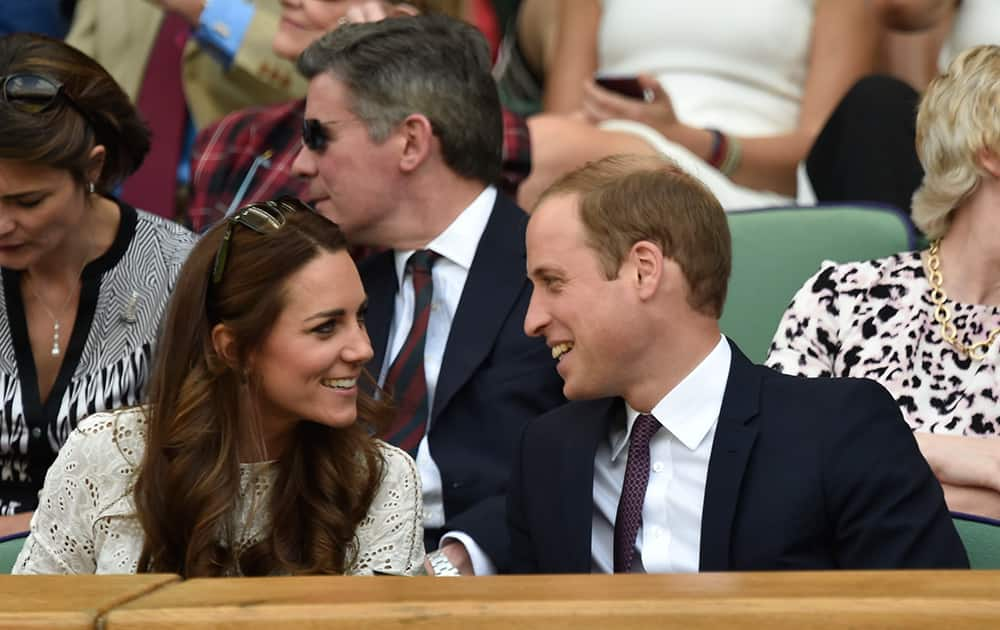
[86,520]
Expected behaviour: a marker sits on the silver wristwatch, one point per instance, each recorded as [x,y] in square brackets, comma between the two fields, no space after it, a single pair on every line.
[441,564]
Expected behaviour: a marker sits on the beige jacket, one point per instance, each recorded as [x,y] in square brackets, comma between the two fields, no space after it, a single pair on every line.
[119,34]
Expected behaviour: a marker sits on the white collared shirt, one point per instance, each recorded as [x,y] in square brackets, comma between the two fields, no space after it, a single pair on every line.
[457,246]
[669,540]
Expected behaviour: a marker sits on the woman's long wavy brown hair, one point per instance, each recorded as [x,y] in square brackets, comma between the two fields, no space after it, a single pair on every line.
[187,490]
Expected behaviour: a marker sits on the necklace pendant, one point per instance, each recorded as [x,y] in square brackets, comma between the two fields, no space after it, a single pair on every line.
[55,340]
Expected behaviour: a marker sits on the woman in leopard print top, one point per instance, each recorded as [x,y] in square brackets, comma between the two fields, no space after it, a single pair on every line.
[925,324]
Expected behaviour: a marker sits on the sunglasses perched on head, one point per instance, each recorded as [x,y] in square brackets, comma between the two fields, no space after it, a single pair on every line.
[33,93]
[262,217]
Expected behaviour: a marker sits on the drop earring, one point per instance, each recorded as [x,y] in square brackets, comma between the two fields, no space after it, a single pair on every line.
[91,188]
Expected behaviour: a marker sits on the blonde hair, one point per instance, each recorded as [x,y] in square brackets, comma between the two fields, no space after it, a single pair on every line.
[625,199]
[959,116]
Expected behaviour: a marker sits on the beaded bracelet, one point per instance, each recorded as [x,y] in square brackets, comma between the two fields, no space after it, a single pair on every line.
[727,152]
[718,148]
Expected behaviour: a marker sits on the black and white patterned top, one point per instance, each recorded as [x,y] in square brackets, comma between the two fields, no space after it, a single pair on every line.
[123,297]
[875,320]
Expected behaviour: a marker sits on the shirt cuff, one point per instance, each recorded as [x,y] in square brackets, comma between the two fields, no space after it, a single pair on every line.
[222,27]
[481,563]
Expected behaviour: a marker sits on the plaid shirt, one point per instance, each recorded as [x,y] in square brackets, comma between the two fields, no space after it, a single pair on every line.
[231,165]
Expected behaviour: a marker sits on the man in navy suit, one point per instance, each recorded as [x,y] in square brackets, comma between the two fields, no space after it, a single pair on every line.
[403,140]
[678,454]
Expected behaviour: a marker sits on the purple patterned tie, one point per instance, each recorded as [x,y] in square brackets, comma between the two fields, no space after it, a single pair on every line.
[629,517]
[405,381]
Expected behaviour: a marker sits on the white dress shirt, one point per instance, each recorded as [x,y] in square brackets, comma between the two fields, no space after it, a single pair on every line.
[457,246]
[669,540]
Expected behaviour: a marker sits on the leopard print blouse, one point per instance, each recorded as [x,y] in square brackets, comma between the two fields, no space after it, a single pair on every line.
[875,320]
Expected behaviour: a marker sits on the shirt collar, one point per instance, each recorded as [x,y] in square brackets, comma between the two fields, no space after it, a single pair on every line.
[459,241]
[691,409]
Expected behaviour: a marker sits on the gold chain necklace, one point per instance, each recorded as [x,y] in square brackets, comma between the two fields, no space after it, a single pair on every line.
[942,314]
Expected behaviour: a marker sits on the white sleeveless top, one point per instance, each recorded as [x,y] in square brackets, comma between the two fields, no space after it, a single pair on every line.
[732,65]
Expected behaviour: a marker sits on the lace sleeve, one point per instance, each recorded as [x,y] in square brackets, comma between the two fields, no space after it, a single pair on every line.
[77,485]
[391,537]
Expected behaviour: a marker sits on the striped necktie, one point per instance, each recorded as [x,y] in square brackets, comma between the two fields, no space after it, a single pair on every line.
[405,381]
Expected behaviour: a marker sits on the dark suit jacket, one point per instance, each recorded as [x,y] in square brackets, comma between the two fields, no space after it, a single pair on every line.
[804,474]
[493,379]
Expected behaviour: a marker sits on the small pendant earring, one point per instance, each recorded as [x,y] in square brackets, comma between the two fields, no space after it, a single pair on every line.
[91,188]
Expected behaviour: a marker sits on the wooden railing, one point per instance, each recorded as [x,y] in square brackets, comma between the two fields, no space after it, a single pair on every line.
[903,599]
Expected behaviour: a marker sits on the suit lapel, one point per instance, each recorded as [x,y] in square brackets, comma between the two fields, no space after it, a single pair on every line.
[734,439]
[575,479]
[494,283]
[379,276]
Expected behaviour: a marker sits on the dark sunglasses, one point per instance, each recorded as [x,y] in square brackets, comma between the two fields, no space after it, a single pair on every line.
[263,217]
[33,93]
[314,133]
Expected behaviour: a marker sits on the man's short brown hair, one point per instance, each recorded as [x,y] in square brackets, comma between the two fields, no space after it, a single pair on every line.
[625,199]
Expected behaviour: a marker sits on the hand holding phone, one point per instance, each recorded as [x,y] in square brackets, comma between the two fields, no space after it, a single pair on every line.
[626,85]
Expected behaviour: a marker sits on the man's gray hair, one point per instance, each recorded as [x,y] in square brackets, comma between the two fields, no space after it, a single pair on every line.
[429,64]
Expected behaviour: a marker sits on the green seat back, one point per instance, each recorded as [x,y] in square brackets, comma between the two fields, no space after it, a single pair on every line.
[775,250]
[981,537]
[8,552]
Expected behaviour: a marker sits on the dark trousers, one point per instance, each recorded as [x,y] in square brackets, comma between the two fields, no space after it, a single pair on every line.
[865,152]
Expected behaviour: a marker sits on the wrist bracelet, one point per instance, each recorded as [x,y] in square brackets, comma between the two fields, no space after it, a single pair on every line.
[718,148]
[727,152]
[734,155]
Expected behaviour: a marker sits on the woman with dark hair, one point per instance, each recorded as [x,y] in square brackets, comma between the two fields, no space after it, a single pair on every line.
[85,278]
[249,458]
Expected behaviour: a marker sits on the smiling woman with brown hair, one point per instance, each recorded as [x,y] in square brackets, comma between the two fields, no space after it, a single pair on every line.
[254,455]
[85,278]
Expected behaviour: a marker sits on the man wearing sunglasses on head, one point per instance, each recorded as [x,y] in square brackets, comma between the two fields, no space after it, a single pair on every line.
[402,144]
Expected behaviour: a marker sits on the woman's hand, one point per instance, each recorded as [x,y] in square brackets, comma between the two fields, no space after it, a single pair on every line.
[656,110]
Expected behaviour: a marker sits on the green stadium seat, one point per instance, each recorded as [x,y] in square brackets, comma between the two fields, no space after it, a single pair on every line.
[10,546]
[981,537]
[776,249]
